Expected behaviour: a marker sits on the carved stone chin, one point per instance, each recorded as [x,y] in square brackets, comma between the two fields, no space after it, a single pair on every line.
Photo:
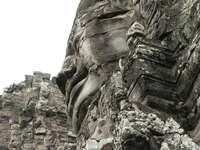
[131,74]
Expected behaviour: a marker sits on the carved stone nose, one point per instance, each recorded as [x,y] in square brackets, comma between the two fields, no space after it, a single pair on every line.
[73,87]
[62,79]
[69,69]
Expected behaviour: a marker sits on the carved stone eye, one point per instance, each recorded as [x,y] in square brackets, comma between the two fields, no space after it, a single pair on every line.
[69,69]
[123,4]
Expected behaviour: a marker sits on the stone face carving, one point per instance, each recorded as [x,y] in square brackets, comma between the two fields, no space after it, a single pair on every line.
[131,74]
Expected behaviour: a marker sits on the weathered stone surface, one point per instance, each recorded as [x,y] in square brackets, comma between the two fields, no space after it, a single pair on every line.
[131,75]
[33,116]
[130,81]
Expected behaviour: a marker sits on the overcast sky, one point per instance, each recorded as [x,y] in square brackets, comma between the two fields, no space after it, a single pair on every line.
[33,37]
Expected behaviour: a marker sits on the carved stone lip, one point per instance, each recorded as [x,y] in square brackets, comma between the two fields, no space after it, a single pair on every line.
[74,94]
[74,85]
[80,100]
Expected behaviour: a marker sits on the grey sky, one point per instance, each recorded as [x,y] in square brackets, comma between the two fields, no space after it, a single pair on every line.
[33,37]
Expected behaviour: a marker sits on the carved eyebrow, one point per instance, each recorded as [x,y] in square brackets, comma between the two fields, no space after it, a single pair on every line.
[112,14]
